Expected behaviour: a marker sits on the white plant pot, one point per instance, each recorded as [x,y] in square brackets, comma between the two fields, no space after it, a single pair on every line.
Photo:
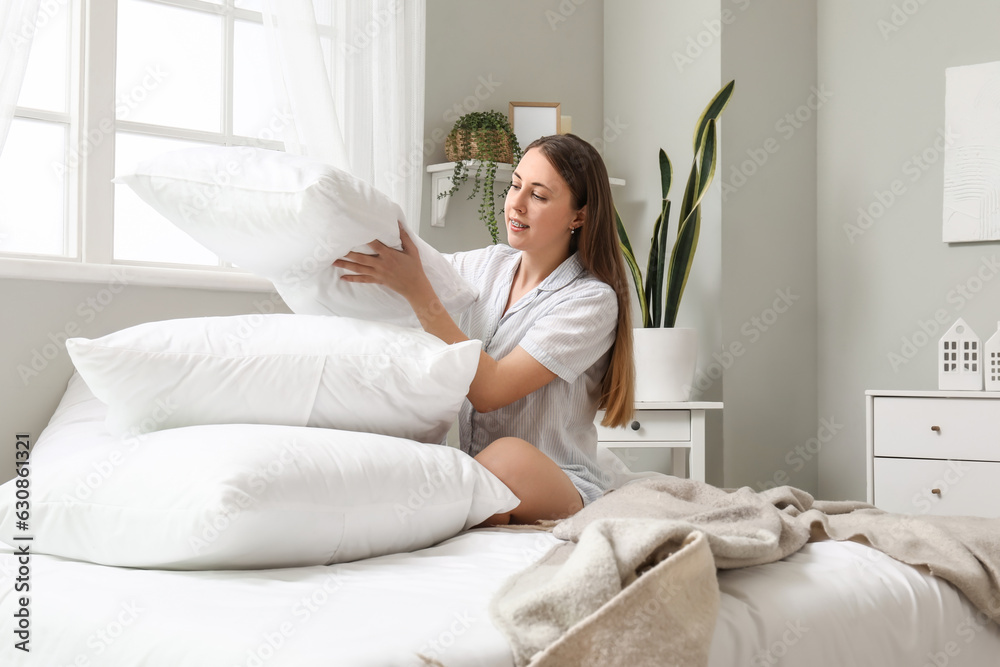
[665,363]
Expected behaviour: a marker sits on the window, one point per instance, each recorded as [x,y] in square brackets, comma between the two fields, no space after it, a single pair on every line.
[108,85]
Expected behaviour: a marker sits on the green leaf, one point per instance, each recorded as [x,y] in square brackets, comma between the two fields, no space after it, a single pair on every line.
[633,265]
[689,228]
[707,157]
[654,294]
[666,171]
[712,111]
[680,265]
[661,259]
[623,236]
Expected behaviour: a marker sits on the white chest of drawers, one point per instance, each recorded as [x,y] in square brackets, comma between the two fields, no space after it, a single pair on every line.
[668,425]
[934,452]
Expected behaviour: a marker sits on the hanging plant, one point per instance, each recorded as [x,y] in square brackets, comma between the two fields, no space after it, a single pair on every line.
[484,136]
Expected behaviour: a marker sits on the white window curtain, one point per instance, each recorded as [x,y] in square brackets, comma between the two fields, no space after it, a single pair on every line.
[351,74]
[17,27]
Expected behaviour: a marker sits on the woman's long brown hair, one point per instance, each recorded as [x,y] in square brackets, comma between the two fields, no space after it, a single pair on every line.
[596,241]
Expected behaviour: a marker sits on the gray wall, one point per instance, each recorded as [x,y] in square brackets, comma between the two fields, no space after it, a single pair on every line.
[752,295]
[885,286]
[652,103]
[769,300]
[41,313]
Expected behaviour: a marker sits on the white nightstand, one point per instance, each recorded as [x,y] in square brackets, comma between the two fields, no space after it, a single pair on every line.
[934,452]
[673,425]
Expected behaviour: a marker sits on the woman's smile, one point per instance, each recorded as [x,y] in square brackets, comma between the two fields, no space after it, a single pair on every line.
[516,225]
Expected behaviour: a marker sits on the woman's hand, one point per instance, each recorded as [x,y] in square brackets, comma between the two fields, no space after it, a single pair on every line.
[399,270]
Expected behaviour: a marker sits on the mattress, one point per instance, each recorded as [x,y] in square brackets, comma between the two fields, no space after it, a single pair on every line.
[831,604]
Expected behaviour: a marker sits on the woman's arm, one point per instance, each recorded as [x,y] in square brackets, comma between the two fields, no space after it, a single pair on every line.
[497,382]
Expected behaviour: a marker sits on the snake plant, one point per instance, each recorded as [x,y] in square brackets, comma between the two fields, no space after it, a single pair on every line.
[660,294]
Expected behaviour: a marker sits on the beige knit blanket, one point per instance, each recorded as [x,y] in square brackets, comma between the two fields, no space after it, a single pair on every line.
[636,582]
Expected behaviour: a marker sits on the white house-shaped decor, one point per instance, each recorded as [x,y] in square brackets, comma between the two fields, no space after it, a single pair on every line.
[991,361]
[960,363]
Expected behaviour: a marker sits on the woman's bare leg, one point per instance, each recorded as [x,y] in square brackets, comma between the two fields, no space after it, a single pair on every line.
[544,490]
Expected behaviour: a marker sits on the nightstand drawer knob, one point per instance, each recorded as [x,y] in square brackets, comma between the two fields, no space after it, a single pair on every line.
[936,429]
[634,425]
[936,492]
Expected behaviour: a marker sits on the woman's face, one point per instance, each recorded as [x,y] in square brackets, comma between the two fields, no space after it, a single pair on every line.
[539,208]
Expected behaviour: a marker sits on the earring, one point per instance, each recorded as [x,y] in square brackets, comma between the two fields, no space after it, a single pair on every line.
[572,231]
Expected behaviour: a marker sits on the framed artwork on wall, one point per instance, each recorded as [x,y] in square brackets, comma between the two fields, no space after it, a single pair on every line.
[531,120]
[972,154]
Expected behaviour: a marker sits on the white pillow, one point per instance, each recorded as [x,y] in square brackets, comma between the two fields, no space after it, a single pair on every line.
[287,218]
[243,495]
[297,370]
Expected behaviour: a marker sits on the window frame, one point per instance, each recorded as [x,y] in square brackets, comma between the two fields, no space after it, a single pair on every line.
[90,157]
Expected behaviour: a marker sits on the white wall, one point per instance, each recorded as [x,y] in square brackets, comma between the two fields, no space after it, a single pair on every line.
[885,285]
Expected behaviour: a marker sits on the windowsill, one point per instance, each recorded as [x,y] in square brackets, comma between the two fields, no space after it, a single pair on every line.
[70,271]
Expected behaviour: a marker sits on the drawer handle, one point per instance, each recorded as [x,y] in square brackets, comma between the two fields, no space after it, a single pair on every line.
[634,425]
[936,429]
[936,492]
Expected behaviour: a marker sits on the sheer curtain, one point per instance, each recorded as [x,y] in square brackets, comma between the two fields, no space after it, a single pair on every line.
[17,27]
[351,73]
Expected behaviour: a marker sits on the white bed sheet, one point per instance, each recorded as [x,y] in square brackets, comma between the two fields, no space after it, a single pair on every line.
[830,605]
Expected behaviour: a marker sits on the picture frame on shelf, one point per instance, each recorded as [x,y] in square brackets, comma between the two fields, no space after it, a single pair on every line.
[531,120]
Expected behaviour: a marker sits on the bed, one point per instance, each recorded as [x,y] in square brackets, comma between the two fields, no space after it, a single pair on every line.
[829,604]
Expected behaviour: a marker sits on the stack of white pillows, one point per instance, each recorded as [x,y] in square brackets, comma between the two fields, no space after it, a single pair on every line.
[347,391]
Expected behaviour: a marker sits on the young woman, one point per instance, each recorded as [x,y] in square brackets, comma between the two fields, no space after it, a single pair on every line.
[553,315]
